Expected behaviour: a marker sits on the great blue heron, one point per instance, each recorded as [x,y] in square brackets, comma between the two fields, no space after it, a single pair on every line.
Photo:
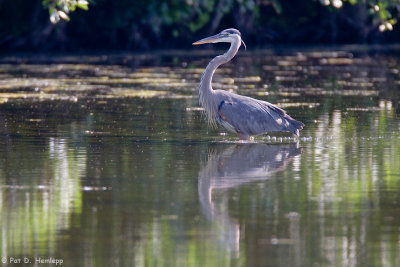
[241,114]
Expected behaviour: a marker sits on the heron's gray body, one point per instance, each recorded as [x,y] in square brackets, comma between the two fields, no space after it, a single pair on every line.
[249,117]
[241,114]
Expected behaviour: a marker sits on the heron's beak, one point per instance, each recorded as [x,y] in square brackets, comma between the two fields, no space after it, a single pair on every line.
[211,39]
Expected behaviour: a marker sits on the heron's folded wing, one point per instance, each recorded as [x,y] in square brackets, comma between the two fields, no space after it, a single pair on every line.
[251,116]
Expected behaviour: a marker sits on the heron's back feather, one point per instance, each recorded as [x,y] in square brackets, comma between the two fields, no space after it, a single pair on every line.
[250,116]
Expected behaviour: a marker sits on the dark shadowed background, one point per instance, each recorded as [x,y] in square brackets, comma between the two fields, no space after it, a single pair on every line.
[143,25]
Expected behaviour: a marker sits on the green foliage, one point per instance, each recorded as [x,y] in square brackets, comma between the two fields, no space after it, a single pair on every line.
[59,9]
[384,12]
[200,13]
[149,24]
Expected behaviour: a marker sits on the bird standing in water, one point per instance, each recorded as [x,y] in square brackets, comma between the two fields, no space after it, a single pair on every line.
[243,115]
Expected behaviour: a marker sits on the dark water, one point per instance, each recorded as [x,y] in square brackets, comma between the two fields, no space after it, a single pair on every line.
[107,161]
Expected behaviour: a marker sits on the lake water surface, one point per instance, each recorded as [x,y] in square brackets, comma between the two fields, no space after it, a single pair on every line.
[108,161]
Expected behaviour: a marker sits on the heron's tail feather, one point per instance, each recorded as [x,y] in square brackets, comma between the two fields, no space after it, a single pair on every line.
[294,126]
[284,121]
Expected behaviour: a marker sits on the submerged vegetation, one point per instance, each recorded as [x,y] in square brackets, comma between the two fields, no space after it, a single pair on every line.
[140,24]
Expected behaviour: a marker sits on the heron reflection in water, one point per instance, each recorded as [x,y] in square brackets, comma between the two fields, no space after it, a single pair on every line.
[231,167]
[243,115]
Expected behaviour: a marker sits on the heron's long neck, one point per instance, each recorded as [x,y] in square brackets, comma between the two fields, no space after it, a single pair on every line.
[205,89]
[205,83]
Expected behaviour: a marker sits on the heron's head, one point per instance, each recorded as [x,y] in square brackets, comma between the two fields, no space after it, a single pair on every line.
[226,36]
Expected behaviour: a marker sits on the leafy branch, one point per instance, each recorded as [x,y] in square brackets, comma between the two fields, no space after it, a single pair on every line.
[59,9]
[384,11]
